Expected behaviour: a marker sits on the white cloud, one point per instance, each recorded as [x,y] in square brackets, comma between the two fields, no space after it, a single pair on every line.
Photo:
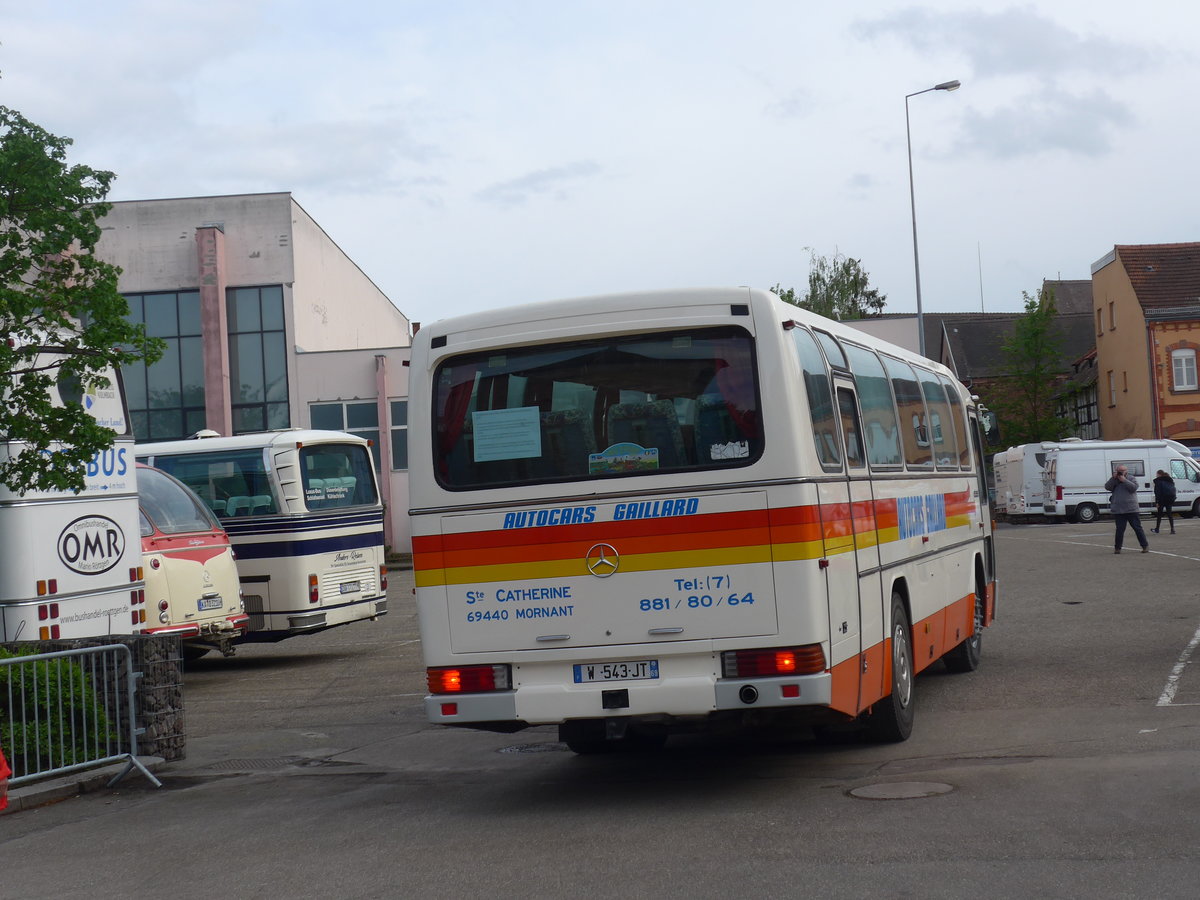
[521,151]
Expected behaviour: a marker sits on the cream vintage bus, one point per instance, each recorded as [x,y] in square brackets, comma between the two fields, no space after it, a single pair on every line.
[644,513]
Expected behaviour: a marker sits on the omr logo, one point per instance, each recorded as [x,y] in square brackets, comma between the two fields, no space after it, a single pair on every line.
[91,545]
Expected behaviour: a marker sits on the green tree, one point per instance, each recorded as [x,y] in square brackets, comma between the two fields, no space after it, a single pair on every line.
[838,288]
[1025,404]
[50,283]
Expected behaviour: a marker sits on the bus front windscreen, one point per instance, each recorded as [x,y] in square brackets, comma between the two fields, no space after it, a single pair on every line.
[637,404]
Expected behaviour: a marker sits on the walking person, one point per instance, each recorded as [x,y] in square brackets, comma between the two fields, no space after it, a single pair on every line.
[1164,499]
[1124,507]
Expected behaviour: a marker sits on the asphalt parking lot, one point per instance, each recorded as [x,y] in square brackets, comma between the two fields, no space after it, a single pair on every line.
[1058,769]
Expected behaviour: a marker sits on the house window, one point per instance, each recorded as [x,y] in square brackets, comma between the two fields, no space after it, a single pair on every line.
[1112,315]
[258,384]
[1183,370]
[1099,322]
[1112,388]
[358,417]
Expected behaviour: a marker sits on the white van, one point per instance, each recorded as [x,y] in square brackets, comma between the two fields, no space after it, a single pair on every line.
[1018,479]
[1077,470]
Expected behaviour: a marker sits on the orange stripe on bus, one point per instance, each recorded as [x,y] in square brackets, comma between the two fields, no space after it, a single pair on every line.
[540,552]
[593,531]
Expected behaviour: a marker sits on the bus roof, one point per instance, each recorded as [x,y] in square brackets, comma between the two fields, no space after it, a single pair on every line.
[565,319]
[258,439]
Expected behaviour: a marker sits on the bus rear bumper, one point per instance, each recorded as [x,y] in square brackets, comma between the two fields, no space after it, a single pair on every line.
[686,699]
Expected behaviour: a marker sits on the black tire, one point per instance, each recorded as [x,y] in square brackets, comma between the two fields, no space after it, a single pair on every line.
[891,719]
[1086,513]
[588,738]
[585,737]
[965,657]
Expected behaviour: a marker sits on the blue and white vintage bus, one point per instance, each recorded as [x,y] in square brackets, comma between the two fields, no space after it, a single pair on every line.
[303,513]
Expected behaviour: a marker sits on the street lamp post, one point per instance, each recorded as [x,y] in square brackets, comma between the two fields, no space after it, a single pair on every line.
[944,86]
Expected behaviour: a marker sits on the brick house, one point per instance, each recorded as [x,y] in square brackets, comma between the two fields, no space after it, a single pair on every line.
[1146,319]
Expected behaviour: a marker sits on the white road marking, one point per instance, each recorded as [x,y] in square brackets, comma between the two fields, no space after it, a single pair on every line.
[1168,695]
[1105,545]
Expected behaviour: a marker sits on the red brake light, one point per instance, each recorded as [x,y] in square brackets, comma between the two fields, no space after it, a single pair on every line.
[314,595]
[806,660]
[467,679]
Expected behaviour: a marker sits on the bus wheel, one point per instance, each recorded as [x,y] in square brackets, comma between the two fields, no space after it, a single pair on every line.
[965,657]
[891,719]
[1085,513]
[586,737]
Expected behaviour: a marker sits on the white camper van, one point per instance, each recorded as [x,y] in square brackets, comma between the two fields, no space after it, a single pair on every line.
[1077,470]
[1018,479]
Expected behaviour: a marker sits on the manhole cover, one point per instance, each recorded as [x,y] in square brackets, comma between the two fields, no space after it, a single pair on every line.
[901,790]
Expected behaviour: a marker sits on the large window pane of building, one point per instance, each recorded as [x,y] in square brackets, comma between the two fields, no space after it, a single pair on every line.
[257,358]
[166,399]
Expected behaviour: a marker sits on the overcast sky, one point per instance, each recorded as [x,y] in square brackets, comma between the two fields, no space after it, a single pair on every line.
[476,154]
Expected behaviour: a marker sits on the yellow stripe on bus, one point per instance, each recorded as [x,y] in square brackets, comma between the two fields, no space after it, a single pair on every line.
[571,568]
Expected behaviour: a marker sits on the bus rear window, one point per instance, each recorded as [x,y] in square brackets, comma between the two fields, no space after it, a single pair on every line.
[336,475]
[667,402]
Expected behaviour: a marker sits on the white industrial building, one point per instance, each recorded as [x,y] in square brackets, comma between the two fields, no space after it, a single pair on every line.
[267,324]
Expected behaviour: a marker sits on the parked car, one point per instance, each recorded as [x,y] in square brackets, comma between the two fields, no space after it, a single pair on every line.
[192,586]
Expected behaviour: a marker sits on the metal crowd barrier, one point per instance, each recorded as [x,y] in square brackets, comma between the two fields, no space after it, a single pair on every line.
[69,710]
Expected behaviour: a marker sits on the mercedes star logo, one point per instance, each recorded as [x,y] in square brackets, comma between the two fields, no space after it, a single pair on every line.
[603,560]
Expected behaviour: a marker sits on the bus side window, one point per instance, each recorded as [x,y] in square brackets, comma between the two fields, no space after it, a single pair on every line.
[850,428]
[820,399]
[877,408]
[960,423]
[911,405]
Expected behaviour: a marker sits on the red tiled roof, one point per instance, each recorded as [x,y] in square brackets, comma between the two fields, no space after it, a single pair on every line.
[1163,274]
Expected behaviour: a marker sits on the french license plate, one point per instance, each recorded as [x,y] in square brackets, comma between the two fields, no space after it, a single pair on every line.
[209,603]
[631,670]
[350,587]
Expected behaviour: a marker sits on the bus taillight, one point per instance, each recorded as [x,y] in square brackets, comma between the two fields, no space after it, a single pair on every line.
[314,593]
[46,587]
[382,579]
[468,679]
[806,660]
[1058,492]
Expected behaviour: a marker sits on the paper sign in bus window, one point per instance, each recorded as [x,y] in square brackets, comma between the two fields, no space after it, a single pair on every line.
[507,433]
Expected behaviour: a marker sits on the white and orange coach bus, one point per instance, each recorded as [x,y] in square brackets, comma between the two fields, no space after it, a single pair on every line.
[646,513]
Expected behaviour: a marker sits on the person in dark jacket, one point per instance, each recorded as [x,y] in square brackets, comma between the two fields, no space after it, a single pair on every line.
[1124,507]
[1164,499]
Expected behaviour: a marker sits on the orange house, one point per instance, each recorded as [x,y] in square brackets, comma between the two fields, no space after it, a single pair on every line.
[1146,305]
